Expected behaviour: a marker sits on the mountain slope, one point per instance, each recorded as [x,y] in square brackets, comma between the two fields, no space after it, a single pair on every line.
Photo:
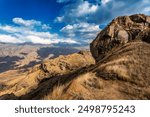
[47,70]
[16,59]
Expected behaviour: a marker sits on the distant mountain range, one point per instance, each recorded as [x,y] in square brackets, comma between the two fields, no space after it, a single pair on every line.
[26,55]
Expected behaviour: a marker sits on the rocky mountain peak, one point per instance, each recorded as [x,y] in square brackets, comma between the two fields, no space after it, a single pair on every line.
[121,30]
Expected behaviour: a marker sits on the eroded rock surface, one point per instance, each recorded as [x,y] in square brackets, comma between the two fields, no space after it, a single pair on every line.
[121,30]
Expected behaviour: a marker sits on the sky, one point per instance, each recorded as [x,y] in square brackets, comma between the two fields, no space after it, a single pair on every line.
[61,21]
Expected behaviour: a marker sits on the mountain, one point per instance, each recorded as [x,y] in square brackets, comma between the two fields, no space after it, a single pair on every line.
[118,67]
[15,59]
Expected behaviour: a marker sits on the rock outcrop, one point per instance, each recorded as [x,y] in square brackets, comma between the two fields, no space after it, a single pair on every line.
[120,31]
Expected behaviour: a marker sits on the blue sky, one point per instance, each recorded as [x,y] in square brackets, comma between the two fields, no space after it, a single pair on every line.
[56,21]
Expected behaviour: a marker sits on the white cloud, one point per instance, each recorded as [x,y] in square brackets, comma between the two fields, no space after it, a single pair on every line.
[30,23]
[85,8]
[23,22]
[105,1]
[81,31]
[59,19]
[9,39]
[77,11]
[68,40]
[147,10]
[101,11]
[8,28]
[81,27]
[36,39]
[45,27]
[23,33]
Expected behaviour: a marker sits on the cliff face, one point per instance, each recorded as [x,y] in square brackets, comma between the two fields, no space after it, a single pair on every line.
[121,71]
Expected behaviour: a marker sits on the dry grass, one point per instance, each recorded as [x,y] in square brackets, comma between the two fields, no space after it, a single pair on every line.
[82,87]
[50,69]
[56,94]
[124,74]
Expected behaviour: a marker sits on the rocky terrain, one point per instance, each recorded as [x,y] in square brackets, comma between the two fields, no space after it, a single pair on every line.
[119,68]
[15,59]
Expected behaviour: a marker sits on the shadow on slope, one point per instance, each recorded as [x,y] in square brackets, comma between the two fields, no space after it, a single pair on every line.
[55,51]
[47,85]
[8,63]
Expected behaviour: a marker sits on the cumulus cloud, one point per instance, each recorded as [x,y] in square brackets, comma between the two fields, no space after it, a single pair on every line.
[59,19]
[84,17]
[81,31]
[85,8]
[23,22]
[10,29]
[46,27]
[24,33]
[77,11]
[30,23]
[101,11]
[9,39]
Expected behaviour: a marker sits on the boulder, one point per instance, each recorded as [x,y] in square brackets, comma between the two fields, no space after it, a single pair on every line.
[121,30]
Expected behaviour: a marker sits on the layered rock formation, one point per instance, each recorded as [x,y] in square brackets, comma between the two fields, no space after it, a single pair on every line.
[121,71]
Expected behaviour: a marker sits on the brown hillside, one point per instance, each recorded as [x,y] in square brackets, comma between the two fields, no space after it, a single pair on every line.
[47,70]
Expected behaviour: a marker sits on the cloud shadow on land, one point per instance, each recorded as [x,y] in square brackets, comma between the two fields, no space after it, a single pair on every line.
[8,63]
[55,51]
